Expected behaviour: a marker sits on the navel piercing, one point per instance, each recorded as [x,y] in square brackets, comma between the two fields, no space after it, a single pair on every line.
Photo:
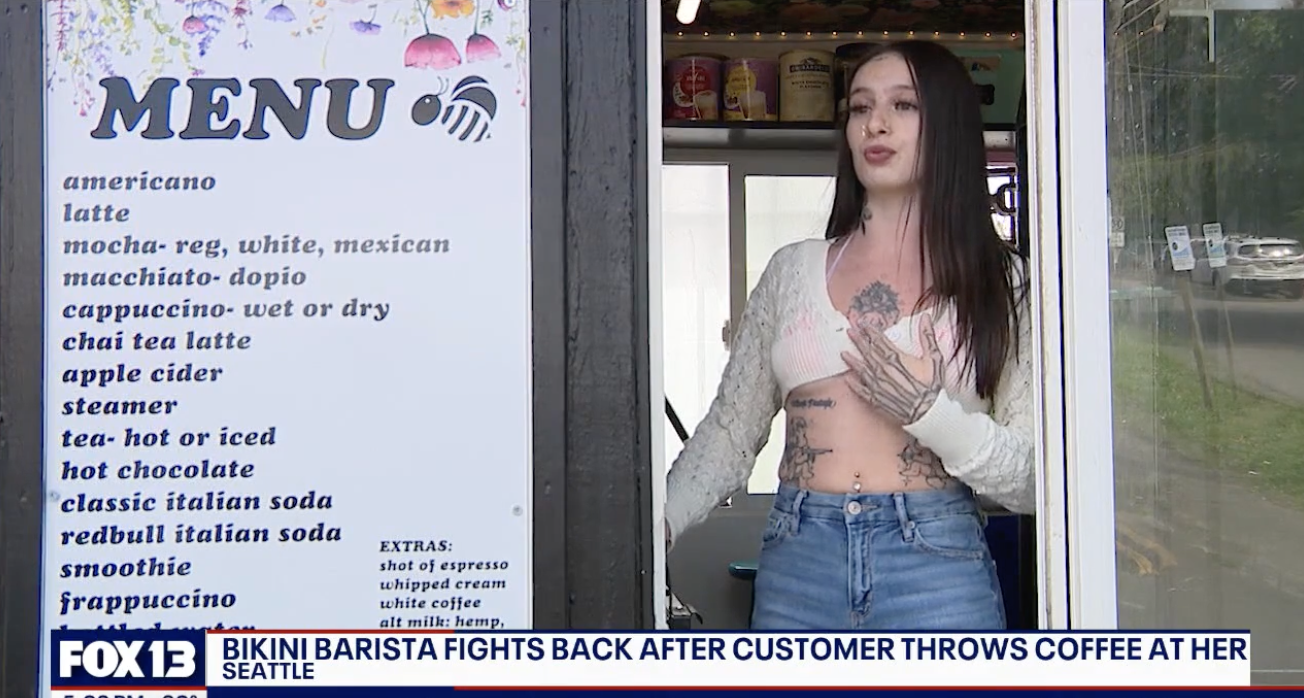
[856,486]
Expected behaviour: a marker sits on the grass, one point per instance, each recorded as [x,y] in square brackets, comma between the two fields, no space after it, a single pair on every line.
[1158,393]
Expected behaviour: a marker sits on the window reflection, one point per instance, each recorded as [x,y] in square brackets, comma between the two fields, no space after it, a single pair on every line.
[1209,362]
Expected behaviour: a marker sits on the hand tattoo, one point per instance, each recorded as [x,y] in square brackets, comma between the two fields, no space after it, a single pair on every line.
[876,304]
[881,378]
[798,464]
[919,462]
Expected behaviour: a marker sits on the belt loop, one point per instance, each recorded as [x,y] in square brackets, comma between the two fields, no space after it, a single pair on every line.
[796,509]
[903,516]
[797,499]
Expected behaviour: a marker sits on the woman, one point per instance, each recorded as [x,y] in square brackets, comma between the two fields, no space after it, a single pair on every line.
[899,348]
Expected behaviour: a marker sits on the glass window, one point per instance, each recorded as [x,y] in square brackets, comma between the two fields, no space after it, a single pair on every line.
[695,289]
[1206,142]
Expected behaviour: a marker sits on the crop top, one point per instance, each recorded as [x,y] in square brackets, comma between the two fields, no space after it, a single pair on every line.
[791,335]
[812,333]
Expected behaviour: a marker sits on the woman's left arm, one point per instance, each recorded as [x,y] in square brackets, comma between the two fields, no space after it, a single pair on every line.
[994,454]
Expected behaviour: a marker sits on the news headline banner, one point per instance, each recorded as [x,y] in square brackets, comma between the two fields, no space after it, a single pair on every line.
[114,660]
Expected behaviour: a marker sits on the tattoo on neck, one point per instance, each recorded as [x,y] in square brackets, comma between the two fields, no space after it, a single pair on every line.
[918,462]
[798,465]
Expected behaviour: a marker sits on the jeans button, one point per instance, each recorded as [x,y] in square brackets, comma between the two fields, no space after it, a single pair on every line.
[853,507]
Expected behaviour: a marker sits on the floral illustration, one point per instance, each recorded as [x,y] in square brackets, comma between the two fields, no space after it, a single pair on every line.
[439,52]
[280,13]
[366,26]
[431,51]
[480,47]
[452,8]
[90,39]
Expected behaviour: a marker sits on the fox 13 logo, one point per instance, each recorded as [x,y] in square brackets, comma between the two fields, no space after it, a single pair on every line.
[87,659]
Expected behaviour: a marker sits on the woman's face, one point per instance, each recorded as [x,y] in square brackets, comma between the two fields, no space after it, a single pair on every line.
[884,124]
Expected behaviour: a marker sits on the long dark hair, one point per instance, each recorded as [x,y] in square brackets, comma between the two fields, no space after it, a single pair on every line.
[971,264]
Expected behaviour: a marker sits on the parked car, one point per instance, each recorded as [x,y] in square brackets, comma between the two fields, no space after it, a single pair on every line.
[1254,265]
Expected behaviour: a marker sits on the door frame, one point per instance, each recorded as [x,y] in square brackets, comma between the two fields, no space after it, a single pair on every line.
[652,62]
[1066,173]
[1066,78]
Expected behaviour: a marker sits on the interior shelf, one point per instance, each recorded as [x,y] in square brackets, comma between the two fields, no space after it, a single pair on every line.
[777,136]
[760,135]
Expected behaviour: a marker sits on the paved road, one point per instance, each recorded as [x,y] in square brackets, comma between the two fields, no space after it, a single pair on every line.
[1267,339]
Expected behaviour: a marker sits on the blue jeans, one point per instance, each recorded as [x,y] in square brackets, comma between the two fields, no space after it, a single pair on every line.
[904,561]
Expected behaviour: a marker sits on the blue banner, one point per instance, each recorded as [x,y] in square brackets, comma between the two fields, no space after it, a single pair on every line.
[376,664]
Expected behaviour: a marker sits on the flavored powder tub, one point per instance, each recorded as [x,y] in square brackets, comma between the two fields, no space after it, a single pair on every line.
[806,86]
[751,90]
[693,88]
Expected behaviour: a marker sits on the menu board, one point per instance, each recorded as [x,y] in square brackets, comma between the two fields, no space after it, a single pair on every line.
[287,291]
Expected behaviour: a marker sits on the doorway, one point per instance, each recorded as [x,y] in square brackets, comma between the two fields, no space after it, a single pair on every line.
[745,173]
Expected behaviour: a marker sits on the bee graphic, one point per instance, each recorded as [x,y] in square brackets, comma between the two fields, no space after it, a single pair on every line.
[466,112]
